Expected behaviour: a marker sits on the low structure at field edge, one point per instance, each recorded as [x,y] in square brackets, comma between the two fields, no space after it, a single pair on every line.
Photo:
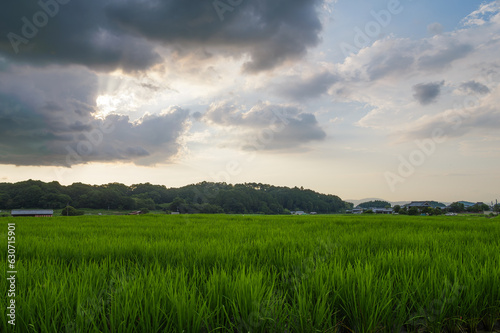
[32,213]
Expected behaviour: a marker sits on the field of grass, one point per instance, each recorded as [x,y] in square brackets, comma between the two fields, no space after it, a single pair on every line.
[200,273]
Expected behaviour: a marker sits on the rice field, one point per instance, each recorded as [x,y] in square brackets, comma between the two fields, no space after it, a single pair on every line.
[201,273]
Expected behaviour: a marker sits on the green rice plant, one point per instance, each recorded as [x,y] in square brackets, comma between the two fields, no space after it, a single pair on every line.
[367,298]
[220,273]
[315,306]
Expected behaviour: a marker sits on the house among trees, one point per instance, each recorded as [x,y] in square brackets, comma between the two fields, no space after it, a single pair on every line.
[419,204]
[32,213]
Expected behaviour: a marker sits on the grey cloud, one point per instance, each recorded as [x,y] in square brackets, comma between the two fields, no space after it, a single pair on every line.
[388,64]
[224,114]
[474,87]
[79,126]
[427,93]
[301,129]
[435,28]
[53,106]
[79,33]
[197,116]
[4,65]
[137,151]
[107,34]
[285,127]
[299,89]
[36,131]
[445,57]
[270,31]
[150,86]
[150,140]
[458,123]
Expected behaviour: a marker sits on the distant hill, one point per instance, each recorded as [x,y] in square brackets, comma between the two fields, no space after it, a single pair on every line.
[375,204]
[435,204]
[357,202]
[394,203]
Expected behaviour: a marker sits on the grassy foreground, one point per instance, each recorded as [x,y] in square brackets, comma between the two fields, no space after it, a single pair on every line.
[196,273]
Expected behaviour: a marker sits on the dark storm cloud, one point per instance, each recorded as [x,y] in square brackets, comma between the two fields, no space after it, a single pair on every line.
[285,127]
[107,34]
[78,33]
[298,88]
[427,93]
[37,130]
[271,31]
[445,57]
[474,87]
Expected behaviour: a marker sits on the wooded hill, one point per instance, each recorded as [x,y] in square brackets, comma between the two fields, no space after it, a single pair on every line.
[203,197]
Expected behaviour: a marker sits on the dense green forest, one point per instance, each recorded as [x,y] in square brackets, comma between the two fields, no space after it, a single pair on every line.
[196,198]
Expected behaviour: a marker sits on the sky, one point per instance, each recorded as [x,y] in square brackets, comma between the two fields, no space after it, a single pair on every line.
[392,99]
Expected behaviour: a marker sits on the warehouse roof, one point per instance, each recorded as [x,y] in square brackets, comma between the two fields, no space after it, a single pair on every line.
[32,212]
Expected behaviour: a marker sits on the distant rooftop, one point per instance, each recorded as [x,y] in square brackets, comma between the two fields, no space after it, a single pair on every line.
[419,204]
[32,212]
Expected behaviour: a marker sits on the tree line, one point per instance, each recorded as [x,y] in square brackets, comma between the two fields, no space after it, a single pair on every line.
[455,207]
[436,208]
[204,197]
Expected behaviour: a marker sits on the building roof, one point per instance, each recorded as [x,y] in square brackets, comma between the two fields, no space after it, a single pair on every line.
[32,212]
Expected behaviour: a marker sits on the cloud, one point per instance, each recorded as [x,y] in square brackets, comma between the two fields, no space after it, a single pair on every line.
[444,57]
[389,57]
[427,93]
[480,115]
[387,64]
[484,14]
[266,126]
[435,29]
[299,89]
[108,35]
[474,87]
[74,33]
[47,117]
[197,116]
[457,123]
[378,76]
